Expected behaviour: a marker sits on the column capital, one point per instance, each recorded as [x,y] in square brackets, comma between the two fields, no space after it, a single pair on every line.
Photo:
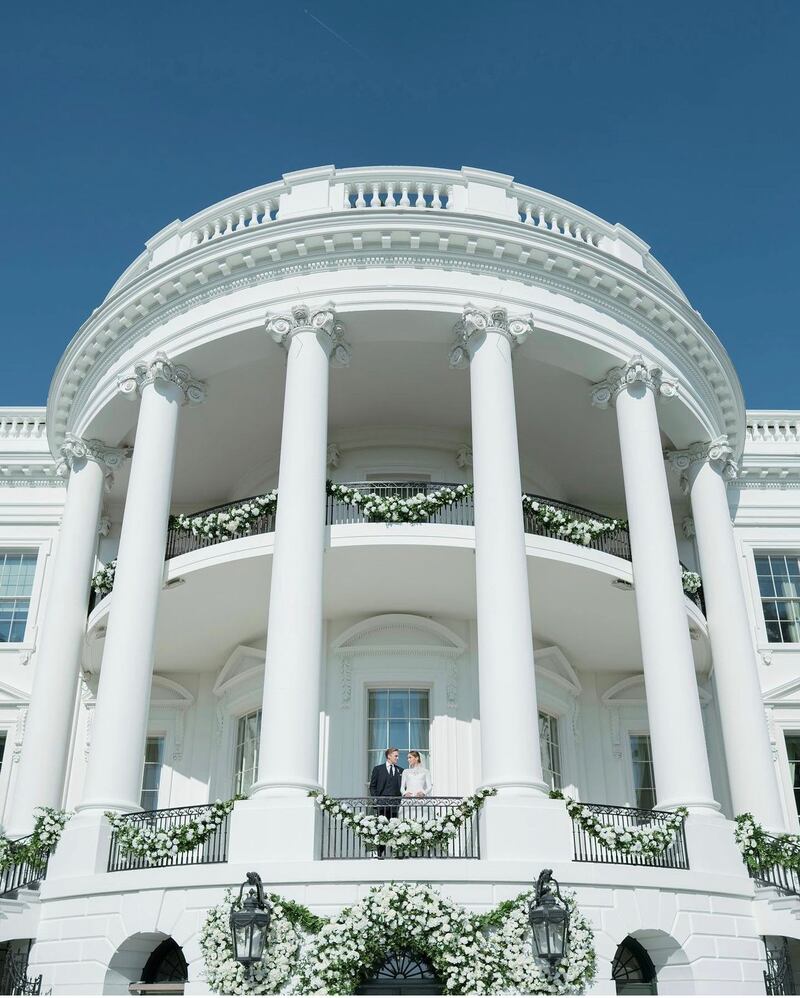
[636,371]
[75,448]
[474,322]
[161,368]
[718,452]
[303,318]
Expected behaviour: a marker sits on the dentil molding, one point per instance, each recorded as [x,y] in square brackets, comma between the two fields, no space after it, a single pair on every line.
[474,323]
[161,368]
[321,320]
[636,371]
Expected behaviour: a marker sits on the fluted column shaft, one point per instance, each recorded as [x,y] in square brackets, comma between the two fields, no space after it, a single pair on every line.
[289,747]
[751,771]
[43,762]
[680,757]
[114,773]
[510,750]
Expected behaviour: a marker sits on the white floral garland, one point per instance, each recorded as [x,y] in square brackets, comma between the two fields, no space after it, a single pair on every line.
[48,825]
[579,530]
[408,836]
[691,582]
[103,581]
[155,844]
[399,509]
[225,523]
[470,954]
[647,840]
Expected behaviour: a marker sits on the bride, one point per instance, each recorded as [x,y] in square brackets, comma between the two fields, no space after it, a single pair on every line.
[416,780]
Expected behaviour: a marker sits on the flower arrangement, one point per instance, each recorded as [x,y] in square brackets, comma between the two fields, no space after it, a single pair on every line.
[579,530]
[399,509]
[103,581]
[48,825]
[760,850]
[156,844]
[470,954]
[691,582]
[226,523]
[647,840]
[408,836]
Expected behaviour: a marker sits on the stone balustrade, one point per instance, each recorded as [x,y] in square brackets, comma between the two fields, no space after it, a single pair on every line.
[772,428]
[22,424]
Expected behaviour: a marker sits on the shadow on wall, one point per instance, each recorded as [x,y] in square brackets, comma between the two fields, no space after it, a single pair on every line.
[149,958]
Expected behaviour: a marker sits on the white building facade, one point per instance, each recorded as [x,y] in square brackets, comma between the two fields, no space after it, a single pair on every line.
[400,330]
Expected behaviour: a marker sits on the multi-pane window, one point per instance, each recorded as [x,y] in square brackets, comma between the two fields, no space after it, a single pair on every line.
[644,784]
[793,752]
[17,570]
[397,719]
[551,753]
[151,776]
[248,733]
[779,585]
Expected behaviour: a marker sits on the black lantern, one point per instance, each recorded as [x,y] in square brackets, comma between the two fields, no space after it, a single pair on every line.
[549,920]
[250,923]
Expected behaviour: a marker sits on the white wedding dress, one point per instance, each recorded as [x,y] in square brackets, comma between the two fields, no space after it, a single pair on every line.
[415,779]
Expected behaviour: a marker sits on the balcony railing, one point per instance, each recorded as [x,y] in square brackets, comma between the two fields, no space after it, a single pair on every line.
[28,873]
[785,879]
[213,850]
[461,514]
[589,850]
[339,841]
[14,978]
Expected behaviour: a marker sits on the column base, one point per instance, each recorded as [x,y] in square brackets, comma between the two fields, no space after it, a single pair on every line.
[83,848]
[703,808]
[517,826]
[274,829]
[712,847]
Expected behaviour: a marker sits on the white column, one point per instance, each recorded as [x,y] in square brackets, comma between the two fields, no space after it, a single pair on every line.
[43,762]
[751,771]
[114,773]
[289,751]
[680,759]
[510,750]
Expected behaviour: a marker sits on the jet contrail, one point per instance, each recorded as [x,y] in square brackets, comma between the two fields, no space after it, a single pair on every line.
[336,35]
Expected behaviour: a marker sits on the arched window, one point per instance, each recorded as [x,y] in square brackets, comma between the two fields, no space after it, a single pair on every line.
[633,970]
[402,974]
[166,964]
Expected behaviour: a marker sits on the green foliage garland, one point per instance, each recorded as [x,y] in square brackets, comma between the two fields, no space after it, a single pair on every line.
[155,844]
[647,840]
[470,954]
[103,581]
[579,530]
[760,850]
[399,509]
[48,825]
[226,523]
[407,835]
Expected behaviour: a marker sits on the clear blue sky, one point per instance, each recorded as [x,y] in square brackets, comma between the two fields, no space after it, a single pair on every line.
[679,119]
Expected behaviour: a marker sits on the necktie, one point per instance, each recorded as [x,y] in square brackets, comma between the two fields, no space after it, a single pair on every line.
[391,770]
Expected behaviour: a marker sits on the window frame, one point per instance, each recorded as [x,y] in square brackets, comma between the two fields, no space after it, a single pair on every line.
[555,722]
[637,732]
[163,779]
[760,600]
[371,687]
[41,547]
[237,718]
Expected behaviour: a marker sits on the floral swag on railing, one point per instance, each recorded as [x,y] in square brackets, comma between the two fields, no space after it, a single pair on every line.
[225,523]
[399,509]
[103,581]
[156,844]
[648,840]
[407,836]
[48,825]
[470,954]
[691,582]
[760,850]
[579,530]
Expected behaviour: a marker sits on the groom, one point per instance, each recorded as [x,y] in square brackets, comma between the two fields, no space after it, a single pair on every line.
[385,782]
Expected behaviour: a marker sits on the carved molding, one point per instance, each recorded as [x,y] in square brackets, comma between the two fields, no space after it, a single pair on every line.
[451,686]
[718,452]
[347,683]
[323,320]
[104,526]
[75,448]
[19,735]
[334,455]
[636,371]
[161,368]
[474,322]
[687,526]
[464,456]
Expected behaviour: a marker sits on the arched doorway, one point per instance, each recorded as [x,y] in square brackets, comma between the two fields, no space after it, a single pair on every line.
[147,963]
[633,970]
[402,974]
[166,965]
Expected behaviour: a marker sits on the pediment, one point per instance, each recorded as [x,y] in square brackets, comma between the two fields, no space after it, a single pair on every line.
[397,634]
[10,695]
[167,693]
[244,663]
[552,663]
[631,692]
[785,695]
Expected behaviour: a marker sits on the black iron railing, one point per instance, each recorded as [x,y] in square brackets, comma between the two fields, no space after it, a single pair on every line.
[785,879]
[460,513]
[213,850]
[340,841]
[589,850]
[14,978]
[778,977]
[27,873]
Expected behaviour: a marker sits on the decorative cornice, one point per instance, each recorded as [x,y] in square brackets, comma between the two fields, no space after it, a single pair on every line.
[636,371]
[321,320]
[76,448]
[161,368]
[718,452]
[474,322]
[464,456]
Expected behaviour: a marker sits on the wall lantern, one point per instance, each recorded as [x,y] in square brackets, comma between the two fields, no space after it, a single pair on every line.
[549,918]
[250,923]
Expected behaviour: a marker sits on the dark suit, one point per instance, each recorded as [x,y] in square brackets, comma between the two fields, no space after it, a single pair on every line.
[382,784]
